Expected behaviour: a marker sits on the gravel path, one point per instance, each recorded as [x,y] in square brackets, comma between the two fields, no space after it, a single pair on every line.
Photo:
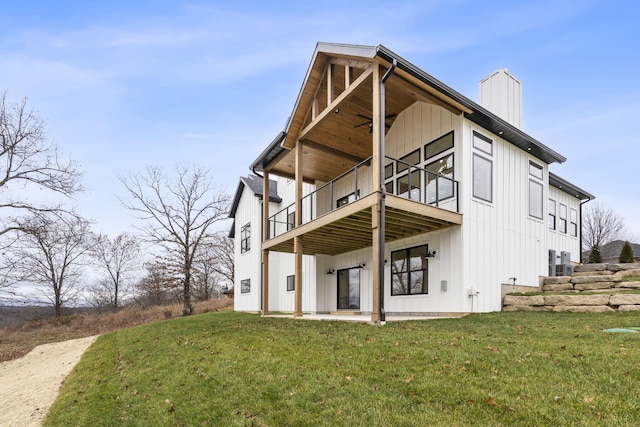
[30,385]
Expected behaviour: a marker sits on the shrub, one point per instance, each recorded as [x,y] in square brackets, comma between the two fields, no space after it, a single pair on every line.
[595,256]
[626,254]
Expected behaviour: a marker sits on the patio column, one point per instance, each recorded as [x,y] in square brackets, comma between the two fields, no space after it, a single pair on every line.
[265,237]
[297,241]
[377,165]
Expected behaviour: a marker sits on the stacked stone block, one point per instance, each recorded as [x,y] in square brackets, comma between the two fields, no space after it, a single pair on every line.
[603,279]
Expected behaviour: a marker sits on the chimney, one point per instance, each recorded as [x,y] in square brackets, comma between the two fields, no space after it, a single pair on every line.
[501,93]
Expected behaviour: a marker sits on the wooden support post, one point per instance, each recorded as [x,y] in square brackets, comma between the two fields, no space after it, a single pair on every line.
[298,249]
[377,234]
[375,265]
[265,282]
[297,241]
[348,76]
[265,237]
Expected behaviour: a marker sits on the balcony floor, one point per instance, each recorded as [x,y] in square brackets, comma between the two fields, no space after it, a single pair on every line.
[349,228]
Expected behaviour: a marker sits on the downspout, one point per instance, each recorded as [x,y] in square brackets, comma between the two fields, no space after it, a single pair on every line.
[383,189]
[582,203]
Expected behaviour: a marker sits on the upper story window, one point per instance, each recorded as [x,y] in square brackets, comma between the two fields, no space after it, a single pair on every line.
[440,168]
[245,238]
[535,190]
[573,223]
[552,214]
[562,223]
[291,220]
[482,168]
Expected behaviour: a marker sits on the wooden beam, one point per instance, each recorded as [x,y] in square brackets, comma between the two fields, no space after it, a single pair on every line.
[375,267]
[329,84]
[265,237]
[298,250]
[323,148]
[265,282]
[363,65]
[345,95]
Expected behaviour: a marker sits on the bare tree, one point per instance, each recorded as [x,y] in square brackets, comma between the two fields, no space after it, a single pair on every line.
[29,162]
[179,214]
[157,286]
[223,256]
[49,254]
[601,225]
[117,258]
[211,267]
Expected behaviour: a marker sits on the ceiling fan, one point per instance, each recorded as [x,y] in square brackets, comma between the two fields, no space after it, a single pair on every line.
[369,121]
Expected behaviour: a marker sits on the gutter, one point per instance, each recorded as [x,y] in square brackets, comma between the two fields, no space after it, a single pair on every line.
[383,190]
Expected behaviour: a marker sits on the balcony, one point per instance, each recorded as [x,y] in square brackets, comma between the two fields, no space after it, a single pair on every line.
[337,216]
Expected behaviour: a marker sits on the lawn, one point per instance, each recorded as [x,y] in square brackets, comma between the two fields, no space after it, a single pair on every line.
[240,369]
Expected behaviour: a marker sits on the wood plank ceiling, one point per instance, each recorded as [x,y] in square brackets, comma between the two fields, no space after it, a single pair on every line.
[343,138]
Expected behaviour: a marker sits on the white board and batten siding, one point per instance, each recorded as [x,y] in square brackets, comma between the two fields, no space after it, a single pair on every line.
[502,239]
[248,264]
[557,239]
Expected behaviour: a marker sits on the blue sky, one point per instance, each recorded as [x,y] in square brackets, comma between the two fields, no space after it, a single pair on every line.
[126,84]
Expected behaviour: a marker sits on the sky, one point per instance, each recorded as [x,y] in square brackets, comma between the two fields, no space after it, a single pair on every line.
[126,84]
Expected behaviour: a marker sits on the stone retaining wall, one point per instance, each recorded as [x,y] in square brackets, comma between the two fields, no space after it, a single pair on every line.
[604,279]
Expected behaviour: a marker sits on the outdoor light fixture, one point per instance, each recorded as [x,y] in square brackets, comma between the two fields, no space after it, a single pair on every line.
[430,254]
[361,265]
[330,272]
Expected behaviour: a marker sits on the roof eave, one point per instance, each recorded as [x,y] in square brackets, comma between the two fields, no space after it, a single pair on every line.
[569,188]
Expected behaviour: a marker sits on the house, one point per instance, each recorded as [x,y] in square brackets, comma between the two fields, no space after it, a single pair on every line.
[399,196]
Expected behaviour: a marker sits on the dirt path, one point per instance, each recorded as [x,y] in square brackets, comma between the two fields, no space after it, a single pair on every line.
[29,385]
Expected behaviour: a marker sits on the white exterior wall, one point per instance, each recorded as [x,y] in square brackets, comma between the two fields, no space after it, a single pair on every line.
[557,240]
[248,264]
[502,240]
[282,264]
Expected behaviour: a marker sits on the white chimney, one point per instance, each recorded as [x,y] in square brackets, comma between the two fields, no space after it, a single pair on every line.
[501,93]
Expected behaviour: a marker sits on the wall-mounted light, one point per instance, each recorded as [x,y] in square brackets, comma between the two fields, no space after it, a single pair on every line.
[361,265]
[430,254]
[330,272]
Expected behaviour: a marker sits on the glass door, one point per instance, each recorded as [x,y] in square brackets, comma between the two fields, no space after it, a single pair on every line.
[349,289]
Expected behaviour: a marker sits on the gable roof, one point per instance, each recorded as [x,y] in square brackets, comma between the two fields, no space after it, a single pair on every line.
[254,183]
[409,72]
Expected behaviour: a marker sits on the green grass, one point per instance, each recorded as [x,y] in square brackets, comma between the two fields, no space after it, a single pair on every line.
[631,279]
[239,369]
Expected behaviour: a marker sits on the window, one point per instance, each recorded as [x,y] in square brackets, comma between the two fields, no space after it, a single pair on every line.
[562,224]
[245,238]
[440,172]
[412,158]
[409,185]
[245,286]
[291,220]
[291,282]
[346,199]
[388,171]
[573,223]
[482,178]
[482,143]
[438,146]
[552,214]
[535,190]
[409,271]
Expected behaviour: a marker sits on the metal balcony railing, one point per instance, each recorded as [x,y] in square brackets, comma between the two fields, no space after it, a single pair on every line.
[413,182]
